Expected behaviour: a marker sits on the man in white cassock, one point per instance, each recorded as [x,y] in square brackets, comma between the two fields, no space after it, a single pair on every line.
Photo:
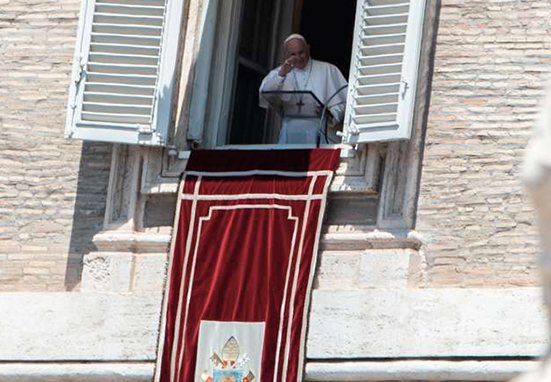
[299,72]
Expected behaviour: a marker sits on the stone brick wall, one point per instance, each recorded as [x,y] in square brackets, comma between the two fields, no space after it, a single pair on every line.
[491,59]
[52,190]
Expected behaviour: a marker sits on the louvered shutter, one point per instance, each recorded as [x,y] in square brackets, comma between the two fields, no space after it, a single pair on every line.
[383,75]
[123,71]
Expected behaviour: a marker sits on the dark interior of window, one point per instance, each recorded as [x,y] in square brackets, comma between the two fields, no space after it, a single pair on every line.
[248,123]
[327,25]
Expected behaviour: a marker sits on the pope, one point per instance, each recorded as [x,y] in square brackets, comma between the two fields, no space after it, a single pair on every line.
[300,72]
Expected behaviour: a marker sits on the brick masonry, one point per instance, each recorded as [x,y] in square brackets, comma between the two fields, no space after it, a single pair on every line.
[52,190]
[490,65]
[491,57]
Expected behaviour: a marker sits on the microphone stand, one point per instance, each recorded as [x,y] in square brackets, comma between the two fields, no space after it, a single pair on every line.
[322,118]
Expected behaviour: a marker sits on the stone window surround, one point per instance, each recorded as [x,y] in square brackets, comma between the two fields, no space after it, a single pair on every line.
[139,172]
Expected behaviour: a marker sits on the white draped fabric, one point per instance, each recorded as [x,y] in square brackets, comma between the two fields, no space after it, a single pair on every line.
[537,177]
[324,80]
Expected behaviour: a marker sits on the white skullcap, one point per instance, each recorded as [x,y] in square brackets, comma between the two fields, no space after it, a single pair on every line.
[295,36]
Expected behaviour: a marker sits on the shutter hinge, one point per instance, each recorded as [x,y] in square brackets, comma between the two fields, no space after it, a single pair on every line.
[405,87]
[353,131]
[349,133]
[81,70]
[144,129]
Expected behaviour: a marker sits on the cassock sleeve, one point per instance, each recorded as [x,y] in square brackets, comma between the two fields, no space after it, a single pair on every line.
[273,81]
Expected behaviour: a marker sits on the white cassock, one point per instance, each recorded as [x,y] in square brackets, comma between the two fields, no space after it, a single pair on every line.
[300,122]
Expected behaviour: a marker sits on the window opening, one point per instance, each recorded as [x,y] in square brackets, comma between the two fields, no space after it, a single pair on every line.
[328,26]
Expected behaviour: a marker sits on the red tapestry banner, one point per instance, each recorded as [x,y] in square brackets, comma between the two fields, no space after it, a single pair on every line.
[241,266]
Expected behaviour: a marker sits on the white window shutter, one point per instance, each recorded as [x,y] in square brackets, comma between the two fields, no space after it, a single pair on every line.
[384,70]
[123,73]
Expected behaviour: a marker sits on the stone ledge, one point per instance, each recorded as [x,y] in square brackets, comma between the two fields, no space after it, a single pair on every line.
[90,327]
[417,370]
[376,239]
[403,370]
[423,323]
[150,242]
[466,323]
[134,242]
[350,177]
[77,372]
[340,184]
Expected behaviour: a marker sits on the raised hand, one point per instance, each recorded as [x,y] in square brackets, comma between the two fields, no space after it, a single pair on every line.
[287,66]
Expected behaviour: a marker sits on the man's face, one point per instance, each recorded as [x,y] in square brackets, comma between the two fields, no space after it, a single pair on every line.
[298,53]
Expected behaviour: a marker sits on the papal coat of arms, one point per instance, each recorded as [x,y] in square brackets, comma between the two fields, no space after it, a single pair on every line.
[230,367]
